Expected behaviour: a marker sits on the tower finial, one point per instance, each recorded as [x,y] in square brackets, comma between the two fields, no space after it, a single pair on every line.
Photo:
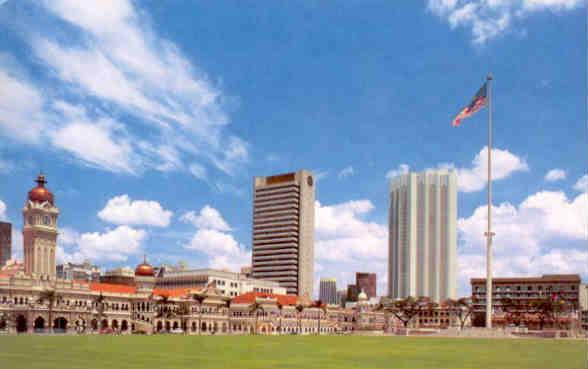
[41,179]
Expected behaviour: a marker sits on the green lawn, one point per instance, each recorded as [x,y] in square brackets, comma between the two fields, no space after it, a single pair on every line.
[161,352]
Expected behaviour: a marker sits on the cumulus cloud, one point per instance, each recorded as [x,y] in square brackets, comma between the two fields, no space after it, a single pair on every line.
[504,164]
[402,169]
[122,210]
[346,172]
[142,104]
[208,218]
[112,245]
[3,215]
[527,237]
[214,240]
[345,242]
[582,184]
[487,20]
[555,175]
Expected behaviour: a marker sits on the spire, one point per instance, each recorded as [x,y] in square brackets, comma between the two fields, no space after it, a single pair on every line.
[41,180]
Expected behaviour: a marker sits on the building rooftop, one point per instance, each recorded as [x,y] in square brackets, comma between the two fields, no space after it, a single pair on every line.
[546,278]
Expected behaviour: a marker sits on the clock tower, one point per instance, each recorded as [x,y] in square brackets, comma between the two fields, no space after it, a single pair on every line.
[40,231]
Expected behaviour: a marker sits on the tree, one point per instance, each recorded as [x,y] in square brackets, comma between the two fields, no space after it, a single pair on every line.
[300,308]
[406,309]
[516,310]
[99,302]
[462,308]
[280,307]
[254,308]
[321,308]
[550,308]
[51,297]
[199,298]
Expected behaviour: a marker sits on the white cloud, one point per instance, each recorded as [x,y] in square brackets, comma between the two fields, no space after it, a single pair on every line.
[347,243]
[143,103]
[504,163]
[213,239]
[555,175]
[20,106]
[113,245]
[3,215]
[525,237]
[582,184]
[198,171]
[487,19]
[208,218]
[122,210]
[346,172]
[402,169]
[95,144]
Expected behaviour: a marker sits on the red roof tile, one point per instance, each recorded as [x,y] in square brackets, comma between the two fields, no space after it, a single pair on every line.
[175,292]
[112,288]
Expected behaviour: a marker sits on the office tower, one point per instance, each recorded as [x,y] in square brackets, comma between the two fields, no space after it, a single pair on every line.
[422,235]
[352,292]
[366,282]
[5,242]
[283,230]
[328,291]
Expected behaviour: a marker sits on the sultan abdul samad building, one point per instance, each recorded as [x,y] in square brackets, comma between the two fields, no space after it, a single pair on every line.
[33,299]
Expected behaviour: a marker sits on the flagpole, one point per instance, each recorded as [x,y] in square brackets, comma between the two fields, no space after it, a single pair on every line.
[489,233]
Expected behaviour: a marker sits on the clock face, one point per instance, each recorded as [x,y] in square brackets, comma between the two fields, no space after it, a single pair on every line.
[46,220]
[309,180]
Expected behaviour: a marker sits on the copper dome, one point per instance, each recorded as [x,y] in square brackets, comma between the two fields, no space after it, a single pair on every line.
[144,269]
[41,193]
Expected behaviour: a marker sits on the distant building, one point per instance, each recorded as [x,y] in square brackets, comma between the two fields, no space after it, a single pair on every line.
[352,293]
[228,283]
[366,282]
[328,291]
[423,235]
[5,242]
[283,230]
[246,271]
[124,275]
[341,297]
[79,272]
[526,289]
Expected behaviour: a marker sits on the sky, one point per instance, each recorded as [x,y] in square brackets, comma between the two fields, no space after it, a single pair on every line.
[150,119]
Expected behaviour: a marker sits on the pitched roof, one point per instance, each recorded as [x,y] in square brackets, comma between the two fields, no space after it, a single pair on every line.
[249,298]
[172,292]
[112,288]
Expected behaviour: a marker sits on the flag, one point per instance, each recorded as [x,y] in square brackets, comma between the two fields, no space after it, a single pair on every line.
[478,102]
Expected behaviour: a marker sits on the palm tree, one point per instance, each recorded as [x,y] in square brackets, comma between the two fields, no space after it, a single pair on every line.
[228,304]
[99,301]
[199,297]
[299,308]
[321,308]
[280,307]
[51,297]
[254,308]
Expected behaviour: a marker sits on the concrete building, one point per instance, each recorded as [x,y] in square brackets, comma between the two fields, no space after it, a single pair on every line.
[124,275]
[228,283]
[352,293]
[80,272]
[366,282]
[328,291]
[524,289]
[423,235]
[283,230]
[5,242]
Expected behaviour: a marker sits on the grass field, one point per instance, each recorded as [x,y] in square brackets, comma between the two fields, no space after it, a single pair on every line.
[161,352]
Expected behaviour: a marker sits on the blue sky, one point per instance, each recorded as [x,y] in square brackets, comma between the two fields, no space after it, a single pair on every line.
[150,119]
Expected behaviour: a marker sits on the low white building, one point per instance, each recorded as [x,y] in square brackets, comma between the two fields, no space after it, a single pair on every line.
[229,283]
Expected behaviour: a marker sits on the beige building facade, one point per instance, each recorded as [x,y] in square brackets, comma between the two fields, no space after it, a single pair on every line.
[283,230]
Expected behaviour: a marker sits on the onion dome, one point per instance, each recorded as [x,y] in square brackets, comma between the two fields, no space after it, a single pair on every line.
[41,193]
[362,296]
[144,269]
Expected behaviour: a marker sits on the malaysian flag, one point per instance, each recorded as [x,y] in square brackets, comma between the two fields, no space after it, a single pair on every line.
[478,102]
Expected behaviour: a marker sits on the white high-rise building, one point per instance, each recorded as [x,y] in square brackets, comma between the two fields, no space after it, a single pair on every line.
[423,235]
[283,231]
